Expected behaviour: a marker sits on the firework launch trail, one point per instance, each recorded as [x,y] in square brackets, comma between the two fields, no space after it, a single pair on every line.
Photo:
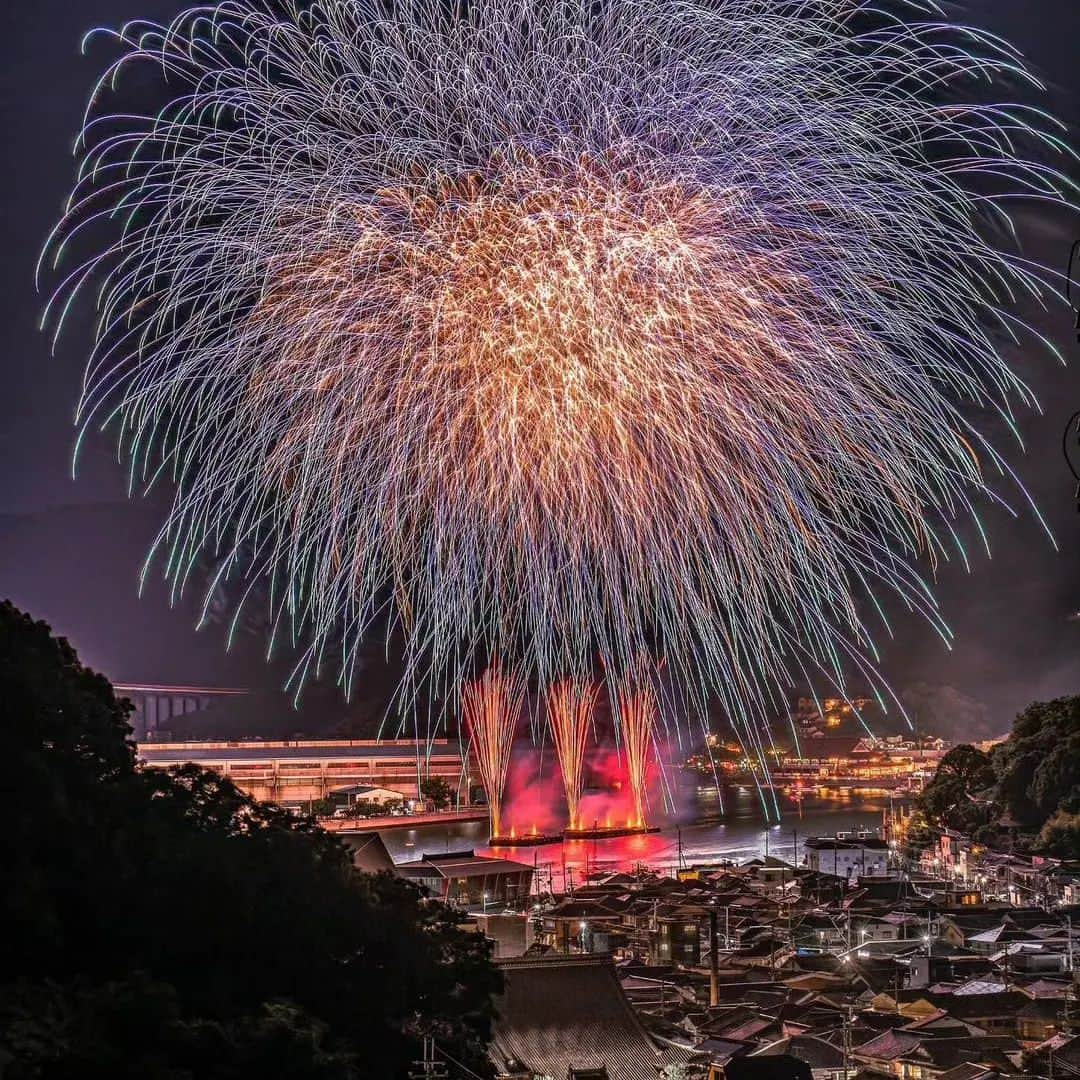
[491,706]
[570,707]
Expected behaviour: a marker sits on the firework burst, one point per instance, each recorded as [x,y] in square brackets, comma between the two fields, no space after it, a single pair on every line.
[565,332]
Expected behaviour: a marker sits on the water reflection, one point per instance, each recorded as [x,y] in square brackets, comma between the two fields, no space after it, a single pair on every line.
[740,835]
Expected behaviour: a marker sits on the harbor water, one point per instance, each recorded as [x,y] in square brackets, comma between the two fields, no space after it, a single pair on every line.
[700,834]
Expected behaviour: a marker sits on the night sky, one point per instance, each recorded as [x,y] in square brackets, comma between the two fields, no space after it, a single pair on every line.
[70,552]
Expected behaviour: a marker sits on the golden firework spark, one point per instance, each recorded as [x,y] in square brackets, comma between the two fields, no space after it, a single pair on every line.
[570,706]
[635,704]
[491,706]
[644,327]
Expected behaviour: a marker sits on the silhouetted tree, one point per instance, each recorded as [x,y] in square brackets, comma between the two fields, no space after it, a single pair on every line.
[958,795]
[237,924]
[1038,766]
[1032,776]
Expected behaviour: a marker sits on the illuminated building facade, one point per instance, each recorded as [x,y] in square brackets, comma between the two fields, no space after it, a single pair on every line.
[299,771]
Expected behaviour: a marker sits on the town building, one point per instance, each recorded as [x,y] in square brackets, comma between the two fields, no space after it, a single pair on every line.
[464,879]
[847,855]
[843,975]
[298,772]
[568,1017]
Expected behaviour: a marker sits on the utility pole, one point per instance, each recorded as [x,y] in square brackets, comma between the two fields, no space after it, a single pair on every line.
[714,958]
[428,1068]
[847,1042]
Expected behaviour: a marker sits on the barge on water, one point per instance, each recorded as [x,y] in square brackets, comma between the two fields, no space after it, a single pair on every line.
[608,832]
[531,839]
[593,832]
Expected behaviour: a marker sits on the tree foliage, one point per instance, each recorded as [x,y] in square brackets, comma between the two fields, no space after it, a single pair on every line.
[1039,764]
[957,797]
[437,791]
[1060,836]
[1032,777]
[232,924]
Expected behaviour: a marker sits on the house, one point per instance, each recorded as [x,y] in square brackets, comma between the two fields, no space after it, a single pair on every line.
[912,1056]
[466,879]
[676,938]
[882,1053]
[847,858]
[369,852]
[365,793]
[993,1013]
[512,932]
[825,1060]
[992,941]
[1058,1056]
[935,1057]
[581,925]
[1040,1020]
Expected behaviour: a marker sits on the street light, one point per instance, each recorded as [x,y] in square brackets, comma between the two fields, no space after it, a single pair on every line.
[583,926]
[485,903]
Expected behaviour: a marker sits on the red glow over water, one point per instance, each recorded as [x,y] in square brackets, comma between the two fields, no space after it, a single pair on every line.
[534,801]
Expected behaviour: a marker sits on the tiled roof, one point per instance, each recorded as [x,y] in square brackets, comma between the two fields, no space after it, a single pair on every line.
[949,1053]
[981,986]
[750,1029]
[569,1012]
[975,1006]
[941,1023]
[721,1051]
[369,853]
[969,1071]
[722,1021]
[1003,933]
[474,866]
[1046,988]
[888,1046]
[817,1053]
[1044,1009]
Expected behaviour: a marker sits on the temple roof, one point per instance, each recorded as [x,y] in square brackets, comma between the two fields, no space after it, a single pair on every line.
[569,1012]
